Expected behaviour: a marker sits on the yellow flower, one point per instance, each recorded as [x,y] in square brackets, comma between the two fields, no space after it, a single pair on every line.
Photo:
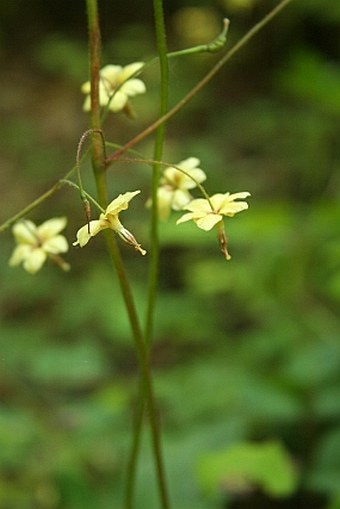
[209,213]
[173,192]
[37,243]
[206,215]
[110,219]
[111,78]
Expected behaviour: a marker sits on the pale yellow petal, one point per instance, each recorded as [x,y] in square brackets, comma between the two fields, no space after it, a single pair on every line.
[34,261]
[133,87]
[83,235]
[25,232]
[189,163]
[118,101]
[164,200]
[56,245]
[184,218]
[87,104]
[130,70]
[51,227]
[111,73]
[218,200]
[197,175]
[241,195]
[120,203]
[208,222]
[172,176]
[230,209]
[19,254]
[180,199]
[86,87]
[200,206]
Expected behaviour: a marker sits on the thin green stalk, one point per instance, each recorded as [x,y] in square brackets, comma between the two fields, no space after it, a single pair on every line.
[154,261]
[158,153]
[98,159]
[201,84]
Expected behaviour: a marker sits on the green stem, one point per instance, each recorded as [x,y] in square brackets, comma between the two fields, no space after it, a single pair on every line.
[98,159]
[158,153]
[201,84]
[153,264]
[212,47]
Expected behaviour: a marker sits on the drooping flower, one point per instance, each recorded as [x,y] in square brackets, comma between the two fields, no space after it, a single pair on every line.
[173,191]
[37,243]
[110,219]
[209,213]
[115,86]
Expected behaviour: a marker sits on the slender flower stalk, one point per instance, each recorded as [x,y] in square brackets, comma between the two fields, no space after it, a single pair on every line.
[99,166]
[153,272]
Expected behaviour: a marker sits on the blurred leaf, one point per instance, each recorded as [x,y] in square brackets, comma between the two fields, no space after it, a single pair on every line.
[63,56]
[325,473]
[309,77]
[69,365]
[247,465]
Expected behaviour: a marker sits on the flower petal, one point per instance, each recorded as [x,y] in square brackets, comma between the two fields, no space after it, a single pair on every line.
[86,87]
[19,254]
[57,244]
[35,260]
[185,217]
[87,104]
[129,70]
[218,200]
[133,87]
[241,195]
[111,73]
[164,199]
[198,177]
[52,227]
[232,208]
[120,203]
[25,232]
[189,164]
[200,207]
[180,199]
[208,222]
[118,101]
[83,235]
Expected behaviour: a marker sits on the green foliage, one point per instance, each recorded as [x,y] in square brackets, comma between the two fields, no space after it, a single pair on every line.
[245,465]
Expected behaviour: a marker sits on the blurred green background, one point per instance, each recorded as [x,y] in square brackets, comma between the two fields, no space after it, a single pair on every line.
[247,353]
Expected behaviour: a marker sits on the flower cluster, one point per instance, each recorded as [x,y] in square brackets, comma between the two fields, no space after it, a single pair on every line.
[173,194]
[35,244]
[116,85]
